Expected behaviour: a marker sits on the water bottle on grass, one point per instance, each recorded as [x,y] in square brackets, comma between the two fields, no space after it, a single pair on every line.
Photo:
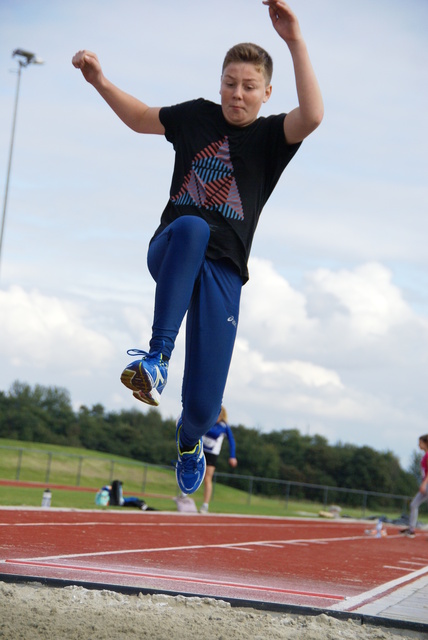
[46,498]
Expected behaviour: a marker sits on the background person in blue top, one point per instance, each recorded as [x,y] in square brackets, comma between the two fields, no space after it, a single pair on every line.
[212,442]
[227,163]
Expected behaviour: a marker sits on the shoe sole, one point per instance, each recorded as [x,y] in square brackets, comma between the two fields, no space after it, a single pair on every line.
[152,398]
[136,380]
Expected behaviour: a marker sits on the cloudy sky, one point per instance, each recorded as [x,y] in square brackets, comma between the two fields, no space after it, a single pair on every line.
[333,335]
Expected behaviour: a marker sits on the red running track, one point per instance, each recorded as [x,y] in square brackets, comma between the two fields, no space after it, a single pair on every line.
[272,560]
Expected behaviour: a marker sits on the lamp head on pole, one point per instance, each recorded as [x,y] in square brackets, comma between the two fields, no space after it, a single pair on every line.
[26,57]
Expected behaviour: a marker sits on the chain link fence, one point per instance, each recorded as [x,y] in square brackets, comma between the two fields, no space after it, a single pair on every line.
[74,470]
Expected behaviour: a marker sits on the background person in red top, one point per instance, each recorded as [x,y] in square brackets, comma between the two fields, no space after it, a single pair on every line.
[422,495]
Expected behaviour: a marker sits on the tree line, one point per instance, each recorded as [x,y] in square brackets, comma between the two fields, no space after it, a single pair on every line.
[45,414]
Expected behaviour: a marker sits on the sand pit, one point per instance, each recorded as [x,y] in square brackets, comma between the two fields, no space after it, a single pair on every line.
[32,611]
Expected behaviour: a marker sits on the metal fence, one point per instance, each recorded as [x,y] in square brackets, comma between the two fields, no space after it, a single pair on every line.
[323,494]
[74,470]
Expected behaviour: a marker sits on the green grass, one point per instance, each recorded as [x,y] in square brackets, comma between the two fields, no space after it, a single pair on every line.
[32,497]
[55,465]
[51,464]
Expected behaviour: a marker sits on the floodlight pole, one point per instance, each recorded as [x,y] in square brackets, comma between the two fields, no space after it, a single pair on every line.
[24,59]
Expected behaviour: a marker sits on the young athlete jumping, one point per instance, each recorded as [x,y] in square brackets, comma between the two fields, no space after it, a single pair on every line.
[227,163]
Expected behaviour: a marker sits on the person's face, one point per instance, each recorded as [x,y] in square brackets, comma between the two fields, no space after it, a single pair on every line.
[422,445]
[243,90]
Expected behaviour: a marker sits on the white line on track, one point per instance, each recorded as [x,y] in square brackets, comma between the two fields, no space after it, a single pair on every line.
[236,545]
[229,546]
[377,592]
[420,563]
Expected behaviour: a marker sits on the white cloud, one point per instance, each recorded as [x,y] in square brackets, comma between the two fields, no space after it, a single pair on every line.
[81,346]
[372,304]
[44,332]
[364,348]
[271,308]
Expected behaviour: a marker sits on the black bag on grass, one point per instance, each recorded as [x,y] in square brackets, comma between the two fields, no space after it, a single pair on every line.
[117,499]
[116,494]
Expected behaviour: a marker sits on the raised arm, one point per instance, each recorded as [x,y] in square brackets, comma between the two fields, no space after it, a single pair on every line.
[232,447]
[305,118]
[134,113]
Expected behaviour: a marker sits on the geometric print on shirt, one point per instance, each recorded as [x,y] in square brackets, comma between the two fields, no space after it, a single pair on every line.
[210,184]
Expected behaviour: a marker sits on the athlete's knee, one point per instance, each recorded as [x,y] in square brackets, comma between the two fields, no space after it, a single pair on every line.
[190,231]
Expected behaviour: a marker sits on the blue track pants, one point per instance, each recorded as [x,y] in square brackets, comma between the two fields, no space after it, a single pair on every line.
[209,291]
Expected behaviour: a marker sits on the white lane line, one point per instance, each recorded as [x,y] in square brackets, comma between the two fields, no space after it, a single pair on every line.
[237,545]
[270,544]
[356,601]
[234,548]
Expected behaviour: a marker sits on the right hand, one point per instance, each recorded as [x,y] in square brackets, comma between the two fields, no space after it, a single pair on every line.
[283,20]
[89,65]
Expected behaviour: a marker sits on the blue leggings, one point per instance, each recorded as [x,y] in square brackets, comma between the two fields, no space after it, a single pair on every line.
[209,291]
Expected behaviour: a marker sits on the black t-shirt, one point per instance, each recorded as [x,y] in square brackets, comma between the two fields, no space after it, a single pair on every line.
[223,173]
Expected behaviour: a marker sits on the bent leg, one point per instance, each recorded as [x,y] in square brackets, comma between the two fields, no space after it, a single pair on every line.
[174,259]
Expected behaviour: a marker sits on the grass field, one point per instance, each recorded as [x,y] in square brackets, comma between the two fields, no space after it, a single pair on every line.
[83,472]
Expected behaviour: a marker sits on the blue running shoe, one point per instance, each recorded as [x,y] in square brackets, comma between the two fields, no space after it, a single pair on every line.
[146,377]
[190,466]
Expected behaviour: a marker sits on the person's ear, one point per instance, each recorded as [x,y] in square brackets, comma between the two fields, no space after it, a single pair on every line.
[268,93]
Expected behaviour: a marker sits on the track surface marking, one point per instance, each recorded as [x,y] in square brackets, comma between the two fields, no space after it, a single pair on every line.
[326,564]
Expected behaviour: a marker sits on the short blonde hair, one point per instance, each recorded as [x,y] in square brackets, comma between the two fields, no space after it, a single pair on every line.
[223,415]
[253,54]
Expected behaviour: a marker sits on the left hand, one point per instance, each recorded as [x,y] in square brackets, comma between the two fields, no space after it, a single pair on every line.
[233,462]
[283,19]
